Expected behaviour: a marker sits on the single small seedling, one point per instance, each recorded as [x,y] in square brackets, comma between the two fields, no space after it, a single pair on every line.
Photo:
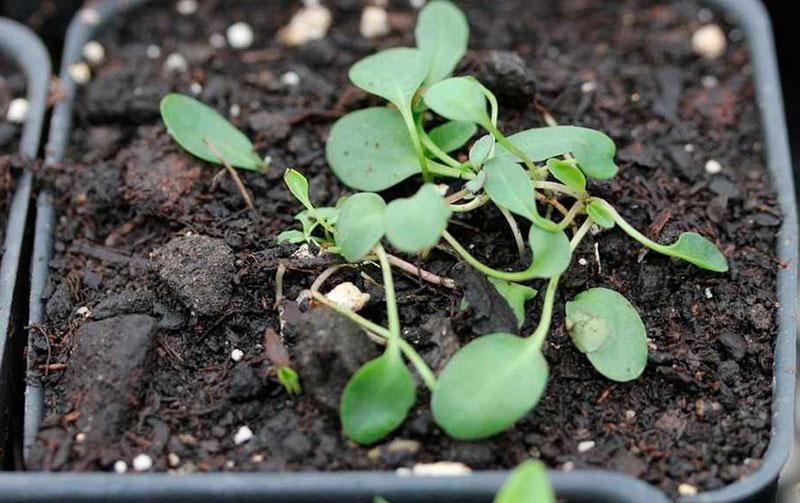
[278,355]
[544,175]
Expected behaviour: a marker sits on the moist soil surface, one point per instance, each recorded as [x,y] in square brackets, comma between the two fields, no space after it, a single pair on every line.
[160,271]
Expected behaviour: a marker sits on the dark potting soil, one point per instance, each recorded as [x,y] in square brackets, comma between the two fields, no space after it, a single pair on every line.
[12,85]
[160,272]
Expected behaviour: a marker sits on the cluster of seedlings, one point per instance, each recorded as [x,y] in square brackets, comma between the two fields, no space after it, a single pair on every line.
[541,175]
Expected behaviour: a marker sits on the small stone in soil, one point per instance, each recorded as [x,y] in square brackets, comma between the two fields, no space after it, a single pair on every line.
[142,463]
[94,52]
[310,23]
[199,270]
[79,73]
[242,435]
[240,35]
[713,167]
[374,22]
[709,41]
[348,296]
[586,446]
[507,75]
[176,63]
[125,302]
[237,355]
[120,466]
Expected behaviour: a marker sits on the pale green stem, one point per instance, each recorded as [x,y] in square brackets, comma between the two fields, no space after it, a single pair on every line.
[450,172]
[570,216]
[388,287]
[580,234]
[408,118]
[525,275]
[631,231]
[555,187]
[474,204]
[502,140]
[434,148]
[514,230]
[538,336]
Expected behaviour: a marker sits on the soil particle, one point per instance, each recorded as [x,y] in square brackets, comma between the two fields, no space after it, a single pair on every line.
[104,103]
[127,302]
[490,311]
[246,384]
[269,127]
[508,77]
[198,270]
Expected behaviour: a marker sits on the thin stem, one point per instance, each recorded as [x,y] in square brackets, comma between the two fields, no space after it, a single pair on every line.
[514,230]
[462,173]
[279,283]
[578,237]
[631,231]
[472,205]
[327,273]
[502,140]
[388,287]
[457,196]
[408,118]
[419,364]
[570,216]
[420,273]
[433,147]
[234,175]
[525,275]
[555,187]
[538,336]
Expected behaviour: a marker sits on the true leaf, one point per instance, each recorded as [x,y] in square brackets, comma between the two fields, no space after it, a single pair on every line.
[516,295]
[393,74]
[377,399]
[605,326]
[360,225]
[481,151]
[599,214]
[593,150]
[298,186]
[487,386]
[292,236]
[528,483]
[192,124]
[371,150]
[551,252]
[697,250]
[458,99]
[567,173]
[452,135]
[416,223]
[442,34]
[509,185]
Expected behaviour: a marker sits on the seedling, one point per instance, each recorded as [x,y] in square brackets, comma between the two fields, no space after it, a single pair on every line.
[279,356]
[543,175]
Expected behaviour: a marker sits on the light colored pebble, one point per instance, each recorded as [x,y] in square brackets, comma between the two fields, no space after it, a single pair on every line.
[84,312]
[586,446]
[630,414]
[176,63]
[153,51]
[568,466]
[80,73]
[348,295]
[80,437]
[310,23]
[709,41]
[217,40]
[687,490]
[440,469]
[237,355]
[186,7]
[588,87]
[688,148]
[713,167]
[196,88]
[417,4]
[90,16]
[240,35]
[374,22]
[303,252]
[257,458]
[17,111]
[242,435]
[709,81]
[708,293]
[290,79]
[230,464]
[583,261]
[94,52]
[120,466]
[173,459]
[235,110]
[142,463]
[636,97]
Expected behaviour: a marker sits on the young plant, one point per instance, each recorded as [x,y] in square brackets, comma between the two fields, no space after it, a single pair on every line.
[542,175]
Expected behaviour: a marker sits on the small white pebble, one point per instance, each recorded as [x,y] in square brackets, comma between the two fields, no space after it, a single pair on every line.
[348,295]
[417,4]
[586,446]
[290,79]
[374,22]
[120,466]
[84,312]
[442,189]
[186,7]
[80,73]
[240,35]
[242,435]
[708,293]
[173,459]
[687,490]
[257,458]
[630,414]
[303,252]
[582,261]
[142,463]
[175,62]
[153,51]
[440,469]
[688,148]
[709,41]
[713,167]
[90,16]
[709,81]
[310,23]
[196,88]
[217,40]
[588,87]
[17,111]
[235,110]
[237,355]
[636,97]
[80,437]
[94,52]
[230,464]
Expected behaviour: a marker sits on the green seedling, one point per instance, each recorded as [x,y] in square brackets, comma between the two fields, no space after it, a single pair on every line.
[278,355]
[543,175]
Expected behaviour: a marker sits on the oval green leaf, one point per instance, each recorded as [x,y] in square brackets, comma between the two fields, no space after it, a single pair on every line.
[515,294]
[593,150]
[360,225]
[192,124]
[481,151]
[371,150]
[452,135]
[442,35]
[298,186]
[458,99]
[605,326]
[697,250]
[551,252]
[394,74]
[567,173]
[377,399]
[599,214]
[416,223]
[489,385]
[508,185]
[528,483]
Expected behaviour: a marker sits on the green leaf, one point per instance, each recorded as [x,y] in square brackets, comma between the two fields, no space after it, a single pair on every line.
[442,35]
[567,173]
[292,236]
[593,150]
[360,225]
[697,250]
[416,223]
[528,483]
[605,326]
[298,186]
[509,186]
[515,294]
[487,386]
[289,380]
[452,135]
[377,398]
[481,151]
[458,99]
[371,150]
[394,74]
[378,499]
[551,252]
[599,214]
[192,123]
